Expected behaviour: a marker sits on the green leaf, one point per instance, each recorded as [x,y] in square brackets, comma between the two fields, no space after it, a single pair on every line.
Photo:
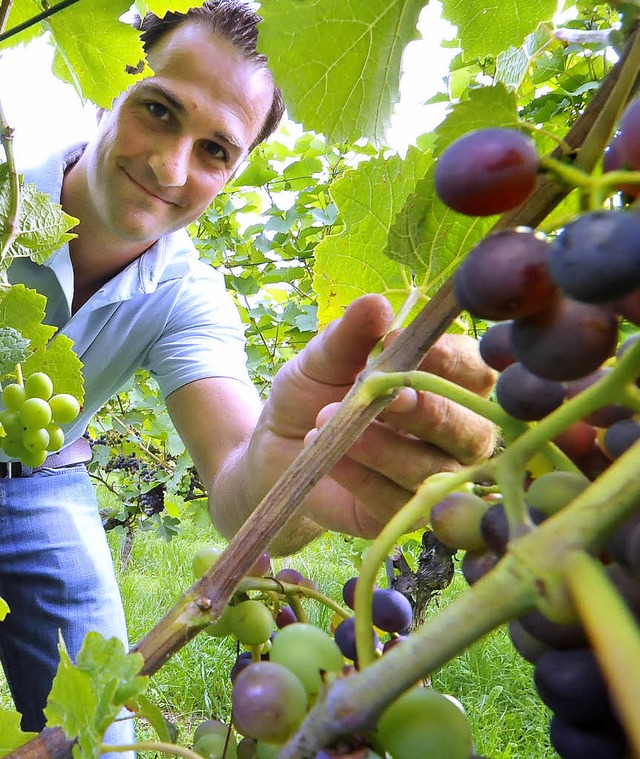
[338,63]
[11,736]
[485,107]
[21,11]
[160,7]
[144,707]
[352,263]
[23,310]
[86,697]
[513,64]
[4,610]
[430,238]
[488,29]
[13,350]
[61,363]
[43,225]
[95,52]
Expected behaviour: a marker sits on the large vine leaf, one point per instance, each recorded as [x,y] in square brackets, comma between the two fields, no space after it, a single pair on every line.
[21,11]
[23,309]
[86,697]
[43,225]
[430,238]
[338,62]
[95,52]
[14,349]
[11,736]
[487,29]
[353,263]
[513,64]
[61,363]
[485,107]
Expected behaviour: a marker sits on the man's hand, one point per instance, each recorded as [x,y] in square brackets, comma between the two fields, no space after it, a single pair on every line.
[417,435]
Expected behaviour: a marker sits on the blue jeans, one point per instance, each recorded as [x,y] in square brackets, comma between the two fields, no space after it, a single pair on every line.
[56,574]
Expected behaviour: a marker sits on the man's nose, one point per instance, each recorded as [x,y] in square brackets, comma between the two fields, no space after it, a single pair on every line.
[170,163]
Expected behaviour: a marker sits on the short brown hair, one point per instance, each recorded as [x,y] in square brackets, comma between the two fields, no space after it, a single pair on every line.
[235,21]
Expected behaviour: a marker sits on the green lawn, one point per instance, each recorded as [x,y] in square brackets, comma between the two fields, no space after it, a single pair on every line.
[490,679]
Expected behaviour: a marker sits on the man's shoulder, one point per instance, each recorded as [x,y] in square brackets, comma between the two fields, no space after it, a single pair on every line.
[48,175]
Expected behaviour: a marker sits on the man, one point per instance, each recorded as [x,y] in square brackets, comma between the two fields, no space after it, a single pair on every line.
[130,292]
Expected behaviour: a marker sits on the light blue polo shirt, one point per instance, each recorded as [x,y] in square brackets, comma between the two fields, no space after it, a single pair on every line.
[166,312]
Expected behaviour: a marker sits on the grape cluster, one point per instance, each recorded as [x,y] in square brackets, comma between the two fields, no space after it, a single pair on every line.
[557,304]
[32,418]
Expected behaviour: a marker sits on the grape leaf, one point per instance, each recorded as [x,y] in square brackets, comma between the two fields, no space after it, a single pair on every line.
[43,225]
[23,310]
[21,11]
[352,263]
[430,238]
[485,107]
[4,610]
[513,64]
[86,697]
[144,707]
[61,363]
[95,52]
[338,63]
[13,349]
[487,29]
[160,7]
[11,736]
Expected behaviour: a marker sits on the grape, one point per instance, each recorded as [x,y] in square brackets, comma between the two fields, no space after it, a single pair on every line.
[495,346]
[526,396]
[269,702]
[244,660]
[596,258]
[553,491]
[12,424]
[621,540]
[290,575]
[612,160]
[261,566]
[577,440]
[487,171]
[349,592]
[35,413]
[391,611]
[64,408]
[393,642]
[567,342]
[620,436]
[307,651]
[345,638]
[494,527]
[629,306]
[208,727]
[505,276]
[553,634]
[204,559]
[39,385]
[33,459]
[246,749]
[222,626]
[570,684]
[286,616]
[593,464]
[425,723]
[14,448]
[251,622]
[456,520]
[13,396]
[267,750]
[476,564]
[525,644]
[56,438]
[212,746]
[36,440]
[605,416]
[628,139]
[573,742]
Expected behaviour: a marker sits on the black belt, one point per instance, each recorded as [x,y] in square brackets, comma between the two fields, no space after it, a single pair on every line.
[78,452]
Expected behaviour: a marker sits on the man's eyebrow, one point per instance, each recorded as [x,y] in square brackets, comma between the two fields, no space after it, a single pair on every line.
[179,106]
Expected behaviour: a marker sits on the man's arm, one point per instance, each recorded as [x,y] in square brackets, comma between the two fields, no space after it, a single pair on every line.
[241,450]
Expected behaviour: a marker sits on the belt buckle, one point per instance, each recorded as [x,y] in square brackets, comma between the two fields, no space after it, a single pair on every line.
[10,469]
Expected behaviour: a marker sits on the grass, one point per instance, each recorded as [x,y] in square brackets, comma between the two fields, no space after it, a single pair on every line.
[492,682]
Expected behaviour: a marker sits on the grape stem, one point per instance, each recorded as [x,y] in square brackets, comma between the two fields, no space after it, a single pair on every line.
[164,748]
[613,633]
[266,584]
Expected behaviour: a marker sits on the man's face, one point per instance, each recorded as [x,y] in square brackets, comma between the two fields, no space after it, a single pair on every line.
[173,140]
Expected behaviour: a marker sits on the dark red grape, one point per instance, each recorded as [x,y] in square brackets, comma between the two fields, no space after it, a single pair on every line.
[551,633]
[390,610]
[349,592]
[244,660]
[526,396]
[602,417]
[505,276]
[495,346]
[612,160]
[476,564]
[629,307]
[397,640]
[286,616]
[596,258]
[525,644]
[628,139]
[577,440]
[487,171]
[620,436]
[261,566]
[572,742]
[567,342]
[290,575]
[623,540]
[345,638]
[571,685]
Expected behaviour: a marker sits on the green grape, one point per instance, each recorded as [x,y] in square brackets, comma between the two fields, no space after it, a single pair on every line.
[36,440]
[64,408]
[35,413]
[33,458]
[13,396]
[267,750]
[14,447]
[554,490]
[251,622]
[211,745]
[12,424]
[307,651]
[222,626]
[423,722]
[39,385]
[56,438]
[210,726]
[204,559]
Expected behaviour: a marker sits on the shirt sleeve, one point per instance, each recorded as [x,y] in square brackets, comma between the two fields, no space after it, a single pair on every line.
[203,336]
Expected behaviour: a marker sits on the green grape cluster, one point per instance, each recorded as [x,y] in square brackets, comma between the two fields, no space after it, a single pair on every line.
[32,418]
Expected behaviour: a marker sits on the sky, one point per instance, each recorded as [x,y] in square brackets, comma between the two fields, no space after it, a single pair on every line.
[47,114]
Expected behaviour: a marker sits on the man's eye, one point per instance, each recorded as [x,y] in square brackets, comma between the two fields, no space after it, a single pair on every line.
[215,151]
[158,110]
